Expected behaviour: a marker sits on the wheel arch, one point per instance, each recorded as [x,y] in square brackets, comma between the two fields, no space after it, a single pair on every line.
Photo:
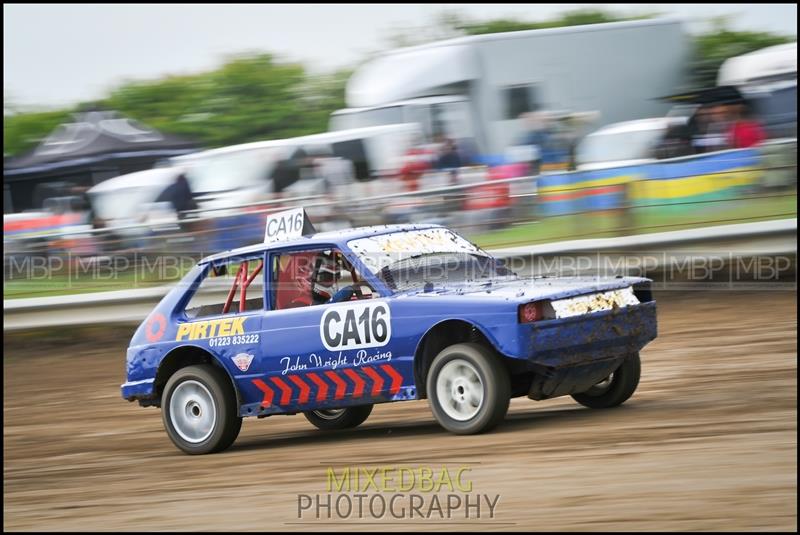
[441,335]
[183,356]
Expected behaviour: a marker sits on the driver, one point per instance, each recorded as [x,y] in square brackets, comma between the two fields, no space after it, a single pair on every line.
[327,274]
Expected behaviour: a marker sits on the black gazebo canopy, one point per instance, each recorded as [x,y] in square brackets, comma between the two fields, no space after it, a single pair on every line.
[96,146]
[724,94]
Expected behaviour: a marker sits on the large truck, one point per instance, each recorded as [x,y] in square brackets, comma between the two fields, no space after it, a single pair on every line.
[482,87]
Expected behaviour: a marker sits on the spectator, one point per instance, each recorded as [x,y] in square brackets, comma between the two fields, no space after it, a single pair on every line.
[84,204]
[712,125]
[179,195]
[698,123]
[745,131]
[289,170]
[416,161]
[449,157]
[540,136]
[468,151]
[676,142]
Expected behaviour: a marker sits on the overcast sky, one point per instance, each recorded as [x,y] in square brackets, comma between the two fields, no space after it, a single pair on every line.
[62,54]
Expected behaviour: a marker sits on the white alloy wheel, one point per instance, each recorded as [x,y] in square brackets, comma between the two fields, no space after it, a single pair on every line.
[193,411]
[460,390]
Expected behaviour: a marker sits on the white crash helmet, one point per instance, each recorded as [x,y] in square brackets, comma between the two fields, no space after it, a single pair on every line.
[326,275]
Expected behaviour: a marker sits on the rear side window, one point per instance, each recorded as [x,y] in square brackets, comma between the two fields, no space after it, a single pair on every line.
[225,284]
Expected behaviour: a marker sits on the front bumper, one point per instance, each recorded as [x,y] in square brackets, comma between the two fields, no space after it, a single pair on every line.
[572,354]
[589,338]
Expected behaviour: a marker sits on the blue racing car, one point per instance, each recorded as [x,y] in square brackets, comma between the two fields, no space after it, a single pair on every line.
[328,324]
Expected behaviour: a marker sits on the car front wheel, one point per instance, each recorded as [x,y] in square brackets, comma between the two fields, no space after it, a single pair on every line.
[468,389]
[199,410]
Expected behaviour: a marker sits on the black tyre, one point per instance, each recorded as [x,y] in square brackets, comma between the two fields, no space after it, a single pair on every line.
[468,389]
[199,410]
[615,389]
[346,418]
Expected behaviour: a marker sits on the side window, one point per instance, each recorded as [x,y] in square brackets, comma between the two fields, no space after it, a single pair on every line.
[229,287]
[315,277]
[520,99]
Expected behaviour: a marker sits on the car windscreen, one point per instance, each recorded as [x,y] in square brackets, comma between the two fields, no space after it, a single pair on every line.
[408,260]
[440,269]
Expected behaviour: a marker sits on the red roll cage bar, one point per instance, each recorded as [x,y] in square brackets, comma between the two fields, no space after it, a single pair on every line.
[241,276]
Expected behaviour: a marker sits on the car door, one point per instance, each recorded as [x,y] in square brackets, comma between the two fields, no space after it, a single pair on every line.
[225,313]
[322,354]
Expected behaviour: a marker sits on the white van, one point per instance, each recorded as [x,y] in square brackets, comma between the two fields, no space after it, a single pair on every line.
[623,144]
[131,199]
[241,174]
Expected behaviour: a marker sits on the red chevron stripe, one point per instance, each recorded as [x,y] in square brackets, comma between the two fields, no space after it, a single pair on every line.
[286,390]
[377,385]
[267,401]
[358,381]
[305,390]
[322,392]
[340,385]
[397,379]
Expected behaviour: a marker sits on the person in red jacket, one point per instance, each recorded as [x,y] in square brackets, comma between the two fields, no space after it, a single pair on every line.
[416,161]
[745,131]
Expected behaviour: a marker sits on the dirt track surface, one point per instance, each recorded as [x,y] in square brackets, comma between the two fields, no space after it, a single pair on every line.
[708,442]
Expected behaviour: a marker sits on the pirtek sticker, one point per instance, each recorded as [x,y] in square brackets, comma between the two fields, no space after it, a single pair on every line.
[211,328]
[356,326]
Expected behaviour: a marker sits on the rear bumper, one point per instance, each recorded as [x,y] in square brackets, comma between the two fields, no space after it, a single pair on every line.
[133,390]
[590,338]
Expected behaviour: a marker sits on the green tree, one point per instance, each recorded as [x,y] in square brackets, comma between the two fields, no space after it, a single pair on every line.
[576,17]
[22,131]
[450,24]
[249,98]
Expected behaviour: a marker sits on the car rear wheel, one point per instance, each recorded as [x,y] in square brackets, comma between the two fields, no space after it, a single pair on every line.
[615,389]
[199,410]
[468,389]
[345,418]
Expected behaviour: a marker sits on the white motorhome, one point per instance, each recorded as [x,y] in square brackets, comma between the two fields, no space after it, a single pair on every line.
[768,79]
[772,63]
[478,87]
